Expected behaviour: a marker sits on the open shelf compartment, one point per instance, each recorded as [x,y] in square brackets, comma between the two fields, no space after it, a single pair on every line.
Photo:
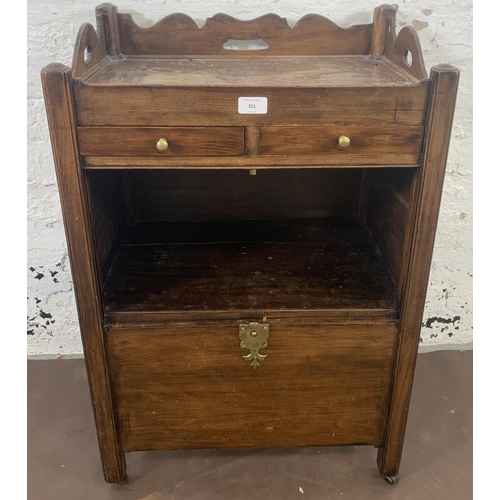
[257,265]
[233,245]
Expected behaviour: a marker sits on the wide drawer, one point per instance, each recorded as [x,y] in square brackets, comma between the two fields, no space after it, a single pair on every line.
[175,141]
[218,106]
[341,140]
[190,387]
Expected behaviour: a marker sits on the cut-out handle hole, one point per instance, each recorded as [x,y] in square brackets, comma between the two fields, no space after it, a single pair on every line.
[408,58]
[257,44]
[87,54]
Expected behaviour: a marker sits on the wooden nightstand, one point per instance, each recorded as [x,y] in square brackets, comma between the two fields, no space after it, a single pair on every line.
[222,309]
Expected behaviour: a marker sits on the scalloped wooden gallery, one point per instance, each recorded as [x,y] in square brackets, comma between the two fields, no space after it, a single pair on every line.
[220,309]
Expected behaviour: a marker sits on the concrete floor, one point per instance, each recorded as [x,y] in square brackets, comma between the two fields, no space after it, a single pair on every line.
[63,460]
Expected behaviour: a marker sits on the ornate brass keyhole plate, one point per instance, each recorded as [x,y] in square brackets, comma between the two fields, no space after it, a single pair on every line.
[254,336]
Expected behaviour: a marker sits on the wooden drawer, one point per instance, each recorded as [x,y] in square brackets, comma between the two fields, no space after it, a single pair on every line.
[189,387]
[182,141]
[324,140]
[218,106]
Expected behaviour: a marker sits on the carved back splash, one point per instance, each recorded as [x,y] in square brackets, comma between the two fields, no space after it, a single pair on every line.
[178,34]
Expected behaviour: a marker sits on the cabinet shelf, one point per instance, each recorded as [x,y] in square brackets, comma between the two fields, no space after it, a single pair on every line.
[319,71]
[296,264]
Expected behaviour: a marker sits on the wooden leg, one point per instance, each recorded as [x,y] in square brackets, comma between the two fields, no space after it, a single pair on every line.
[424,213]
[56,80]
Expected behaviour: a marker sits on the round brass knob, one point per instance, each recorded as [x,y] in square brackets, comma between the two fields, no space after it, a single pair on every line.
[162,145]
[254,333]
[344,141]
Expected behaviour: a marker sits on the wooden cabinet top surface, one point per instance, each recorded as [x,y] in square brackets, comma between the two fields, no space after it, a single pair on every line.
[226,51]
[271,71]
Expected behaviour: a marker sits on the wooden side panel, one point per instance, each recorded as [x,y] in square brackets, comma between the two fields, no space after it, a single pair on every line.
[425,216]
[141,141]
[363,194]
[190,388]
[56,81]
[233,194]
[89,52]
[403,50]
[218,106]
[107,213]
[387,214]
[178,34]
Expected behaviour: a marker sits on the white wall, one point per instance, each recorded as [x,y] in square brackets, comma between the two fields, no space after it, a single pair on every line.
[445,30]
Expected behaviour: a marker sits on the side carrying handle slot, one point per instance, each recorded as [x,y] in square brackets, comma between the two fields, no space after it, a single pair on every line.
[87,54]
[255,44]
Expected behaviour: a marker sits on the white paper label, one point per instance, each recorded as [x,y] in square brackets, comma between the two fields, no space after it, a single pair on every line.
[252,105]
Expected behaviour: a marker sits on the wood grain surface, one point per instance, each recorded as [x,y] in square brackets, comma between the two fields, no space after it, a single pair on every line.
[141,141]
[108,219]
[293,71]
[247,162]
[56,83]
[218,106]
[179,34]
[177,195]
[246,265]
[182,387]
[373,141]
[425,217]
[387,214]
[403,51]
[107,20]
[89,52]
[380,28]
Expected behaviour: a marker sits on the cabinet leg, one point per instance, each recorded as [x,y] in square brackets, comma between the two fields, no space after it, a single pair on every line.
[57,87]
[388,463]
[424,210]
[114,466]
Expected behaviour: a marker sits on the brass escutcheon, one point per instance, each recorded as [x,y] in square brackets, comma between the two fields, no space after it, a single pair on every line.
[254,336]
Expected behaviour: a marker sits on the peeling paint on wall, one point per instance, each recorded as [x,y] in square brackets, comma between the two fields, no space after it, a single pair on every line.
[419,25]
[52,327]
[445,36]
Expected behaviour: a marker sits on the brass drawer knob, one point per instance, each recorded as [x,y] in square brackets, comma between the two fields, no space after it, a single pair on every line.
[162,145]
[344,141]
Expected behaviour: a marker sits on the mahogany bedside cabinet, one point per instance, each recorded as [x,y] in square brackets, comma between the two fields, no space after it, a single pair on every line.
[250,211]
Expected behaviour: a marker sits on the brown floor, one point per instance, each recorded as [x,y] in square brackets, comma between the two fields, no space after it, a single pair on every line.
[63,460]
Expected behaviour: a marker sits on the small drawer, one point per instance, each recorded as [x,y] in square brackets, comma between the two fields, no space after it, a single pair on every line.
[161,141]
[341,140]
[251,384]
